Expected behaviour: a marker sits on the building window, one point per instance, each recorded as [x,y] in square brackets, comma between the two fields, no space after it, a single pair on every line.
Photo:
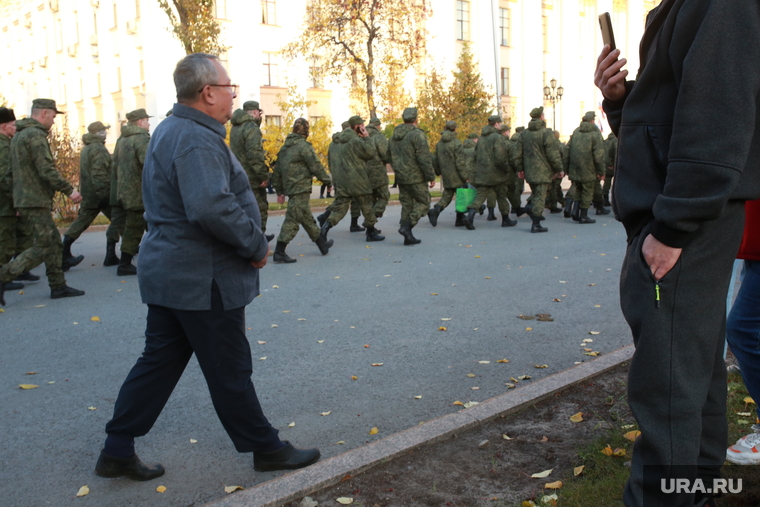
[545,32]
[273,121]
[315,75]
[504,21]
[268,12]
[220,8]
[271,71]
[463,20]
[504,81]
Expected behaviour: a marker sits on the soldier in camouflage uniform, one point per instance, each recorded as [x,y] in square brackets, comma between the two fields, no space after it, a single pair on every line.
[412,163]
[538,160]
[129,163]
[246,144]
[450,164]
[586,163]
[491,171]
[554,194]
[611,149]
[118,213]
[95,166]
[515,184]
[468,149]
[15,234]
[377,168]
[297,163]
[35,182]
[353,184]
[334,159]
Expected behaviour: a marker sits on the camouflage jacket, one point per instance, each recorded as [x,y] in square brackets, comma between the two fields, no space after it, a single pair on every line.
[6,178]
[35,178]
[537,153]
[297,163]
[610,145]
[491,158]
[468,148]
[94,171]
[129,162]
[333,159]
[449,160]
[378,175]
[355,153]
[586,157]
[245,143]
[410,155]
[114,169]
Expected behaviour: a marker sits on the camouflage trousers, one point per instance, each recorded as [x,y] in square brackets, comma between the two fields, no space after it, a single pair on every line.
[261,200]
[298,213]
[363,203]
[607,185]
[118,220]
[46,247]
[84,219]
[598,195]
[500,191]
[515,187]
[446,197]
[355,207]
[415,202]
[584,192]
[133,231]
[554,194]
[380,197]
[15,237]
[538,197]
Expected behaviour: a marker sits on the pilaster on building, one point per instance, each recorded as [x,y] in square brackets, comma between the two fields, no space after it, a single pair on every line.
[100,59]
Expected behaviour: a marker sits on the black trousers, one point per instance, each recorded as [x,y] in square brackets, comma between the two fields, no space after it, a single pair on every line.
[217,337]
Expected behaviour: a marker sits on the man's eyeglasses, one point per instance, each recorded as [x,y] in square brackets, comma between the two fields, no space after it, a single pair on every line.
[233,87]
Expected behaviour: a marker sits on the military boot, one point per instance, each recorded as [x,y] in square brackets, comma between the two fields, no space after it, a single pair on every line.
[126,268]
[355,227]
[269,237]
[26,276]
[67,242]
[324,230]
[576,211]
[111,258]
[491,216]
[568,207]
[555,209]
[460,221]
[482,209]
[374,234]
[280,257]
[520,211]
[470,218]
[323,217]
[506,222]
[584,219]
[65,292]
[71,262]
[406,231]
[600,209]
[536,227]
[433,215]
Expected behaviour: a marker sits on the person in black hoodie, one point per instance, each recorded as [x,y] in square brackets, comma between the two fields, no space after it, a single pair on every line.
[680,191]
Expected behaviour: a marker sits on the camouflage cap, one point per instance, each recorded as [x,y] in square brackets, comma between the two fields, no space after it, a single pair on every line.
[344,125]
[589,116]
[505,128]
[6,115]
[355,120]
[472,135]
[451,125]
[251,105]
[97,126]
[45,104]
[494,119]
[374,121]
[410,114]
[537,112]
[519,129]
[137,114]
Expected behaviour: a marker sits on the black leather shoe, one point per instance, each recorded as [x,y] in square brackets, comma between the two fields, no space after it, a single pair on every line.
[71,262]
[269,237]
[287,458]
[111,467]
[14,286]
[65,292]
[27,277]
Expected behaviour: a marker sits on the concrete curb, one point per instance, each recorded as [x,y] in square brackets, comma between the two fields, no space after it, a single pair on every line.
[326,473]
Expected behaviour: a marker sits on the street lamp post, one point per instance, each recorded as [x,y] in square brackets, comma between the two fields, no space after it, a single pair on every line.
[553,95]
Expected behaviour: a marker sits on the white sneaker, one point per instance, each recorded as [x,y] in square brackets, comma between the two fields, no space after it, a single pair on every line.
[745,451]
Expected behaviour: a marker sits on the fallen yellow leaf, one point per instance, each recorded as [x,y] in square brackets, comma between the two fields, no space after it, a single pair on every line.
[588,340]
[83,491]
[587,349]
[449,318]
[286,311]
[597,306]
[540,366]
[443,328]
[35,373]
[301,320]
[619,453]
[275,286]
[607,451]
[592,285]
[477,256]
[92,408]
[340,443]
[386,276]
[557,300]
[230,489]
[39,306]
[374,431]
[484,362]
[193,441]
[261,342]
[543,474]
[553,485]
[577,417]
[632,435]
[510,386]
[28,386]
[275,325]
[433,293]
[514,380]
[471,375]
[506,437]
[488,278]
[326,413]
[528,503]
[418,397]
[161,489]
[262,358]
[344,500]
[354,377]
[366,346]
[377,364]
[470,404]
[578,470]
[503,361]
[457,403]
[95,319]
[291,425]
[748,399]
[594,354]
[529,329]
[594,332]
[524,377]
[320,341]
[474,388]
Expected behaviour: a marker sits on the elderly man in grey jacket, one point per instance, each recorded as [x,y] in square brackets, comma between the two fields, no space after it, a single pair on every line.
[199,268]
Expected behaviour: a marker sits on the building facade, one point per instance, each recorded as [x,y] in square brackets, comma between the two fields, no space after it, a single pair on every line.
[102,58]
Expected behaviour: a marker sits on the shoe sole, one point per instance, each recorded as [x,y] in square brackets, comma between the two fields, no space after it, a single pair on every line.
[134,478]
[275,467]
[737,459]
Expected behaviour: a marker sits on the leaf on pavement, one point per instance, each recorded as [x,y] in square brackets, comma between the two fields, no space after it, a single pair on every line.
[632,435]
[374,431]
[503,361]
[83,491]
[471,404]
[471,375]
[620,453]
[35,373]
[543,474]
[477,256]
[448,318]
[553,485]
[457,403]
[433,293]
[261,342]
[92,408]
[28,386]
[366,346]
[320,341]
[524,377]
[95,319]
[607,451]
[326,413]
[529,329]
[593,354]
[506,437]
[525,317]
[286,311]
[301,320]
[578,470]
[443,328]
[377,364]
[418,397]
[354,377]
[577,417]
[193,441]
[749,399]
[541,366]
[510,386]
[474,388]
[291,425]
[594,332]
[344,500]
[340,442]
[230,489]
[275,325]
[557,300]
[275,286]
[263,358]
[161,489]
[528,503]
[484,362]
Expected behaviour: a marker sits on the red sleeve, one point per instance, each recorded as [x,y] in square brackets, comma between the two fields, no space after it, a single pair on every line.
[750,248]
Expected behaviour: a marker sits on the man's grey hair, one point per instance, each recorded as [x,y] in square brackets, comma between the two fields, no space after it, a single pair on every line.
[192,73]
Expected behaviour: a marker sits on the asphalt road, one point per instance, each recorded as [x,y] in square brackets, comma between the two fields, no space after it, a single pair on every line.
[323,320]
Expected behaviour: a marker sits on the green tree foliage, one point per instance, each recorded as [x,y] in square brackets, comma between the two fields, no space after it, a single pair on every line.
[292,105]
[464,99]
[362,40]
[193,24]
